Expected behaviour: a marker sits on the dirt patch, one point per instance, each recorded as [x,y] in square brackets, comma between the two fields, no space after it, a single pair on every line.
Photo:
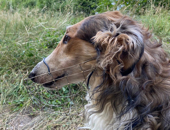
[19,122]
[54,120]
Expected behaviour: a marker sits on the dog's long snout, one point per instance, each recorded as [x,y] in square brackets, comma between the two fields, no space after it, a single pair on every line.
[32,76]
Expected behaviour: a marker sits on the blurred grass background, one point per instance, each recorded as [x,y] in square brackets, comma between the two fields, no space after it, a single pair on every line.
[29,31]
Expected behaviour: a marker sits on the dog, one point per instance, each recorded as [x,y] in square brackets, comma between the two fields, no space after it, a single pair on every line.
[126,70]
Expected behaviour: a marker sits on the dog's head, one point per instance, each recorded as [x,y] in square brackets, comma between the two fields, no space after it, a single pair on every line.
[116,41]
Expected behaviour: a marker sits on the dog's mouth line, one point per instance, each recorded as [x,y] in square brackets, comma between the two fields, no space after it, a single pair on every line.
[52,82]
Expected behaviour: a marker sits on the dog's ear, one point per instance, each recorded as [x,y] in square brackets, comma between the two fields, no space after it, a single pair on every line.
[119,52]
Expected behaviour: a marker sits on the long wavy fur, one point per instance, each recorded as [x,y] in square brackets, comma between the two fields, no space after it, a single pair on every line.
[136,72]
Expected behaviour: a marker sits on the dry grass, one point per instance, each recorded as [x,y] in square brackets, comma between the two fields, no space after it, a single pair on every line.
[69,119]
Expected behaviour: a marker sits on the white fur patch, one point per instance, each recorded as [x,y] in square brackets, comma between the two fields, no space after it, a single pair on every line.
[107,119]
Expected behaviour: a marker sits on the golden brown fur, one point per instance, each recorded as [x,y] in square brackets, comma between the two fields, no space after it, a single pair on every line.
[129,79]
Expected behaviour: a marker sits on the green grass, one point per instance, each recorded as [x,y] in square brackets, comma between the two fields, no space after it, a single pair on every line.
[158,20]
[26,36]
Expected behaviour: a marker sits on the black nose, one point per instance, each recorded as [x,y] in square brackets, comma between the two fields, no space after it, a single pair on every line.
[32,76]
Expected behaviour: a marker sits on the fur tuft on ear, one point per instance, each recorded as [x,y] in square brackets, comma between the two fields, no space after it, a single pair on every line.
[119,51]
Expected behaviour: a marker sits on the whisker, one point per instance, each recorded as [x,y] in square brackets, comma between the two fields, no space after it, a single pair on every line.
[61,69]
[63,77]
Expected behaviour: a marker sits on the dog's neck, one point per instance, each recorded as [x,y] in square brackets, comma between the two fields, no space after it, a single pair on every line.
[102,119]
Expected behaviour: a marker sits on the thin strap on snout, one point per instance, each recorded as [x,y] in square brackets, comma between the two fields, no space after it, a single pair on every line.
[47,66]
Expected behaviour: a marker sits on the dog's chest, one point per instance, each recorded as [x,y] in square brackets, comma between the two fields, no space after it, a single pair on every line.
[105,120]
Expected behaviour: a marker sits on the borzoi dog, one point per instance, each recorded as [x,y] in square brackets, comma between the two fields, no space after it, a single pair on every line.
[128,73]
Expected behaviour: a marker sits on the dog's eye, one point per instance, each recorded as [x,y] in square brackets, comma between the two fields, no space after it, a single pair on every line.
[66,39]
